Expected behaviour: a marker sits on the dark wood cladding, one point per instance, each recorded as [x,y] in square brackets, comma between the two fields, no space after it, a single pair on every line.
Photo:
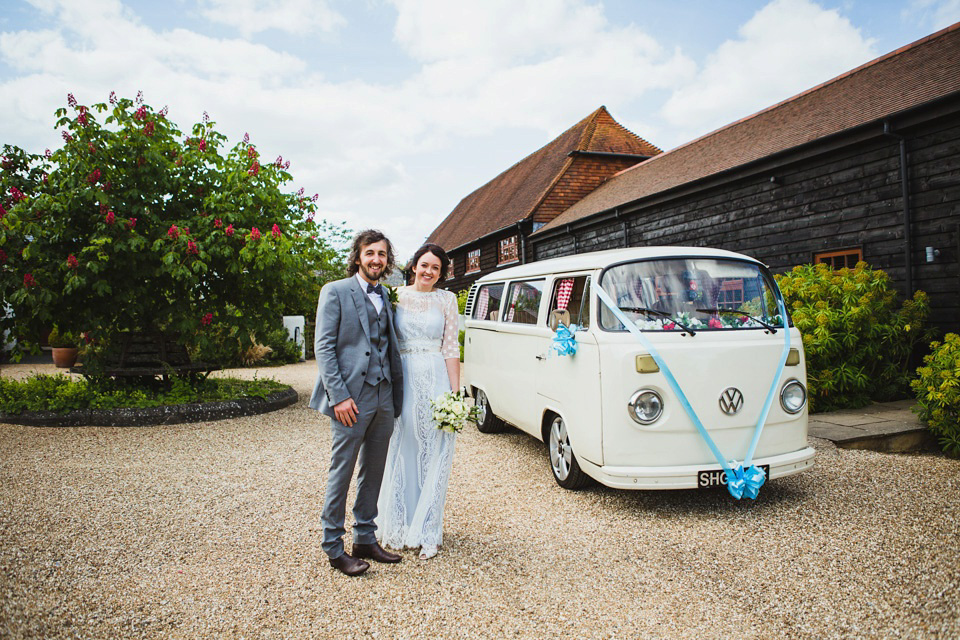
[832,194]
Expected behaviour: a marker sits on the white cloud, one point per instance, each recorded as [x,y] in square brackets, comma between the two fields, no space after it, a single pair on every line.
[933,14]
[300,17]
[785,48]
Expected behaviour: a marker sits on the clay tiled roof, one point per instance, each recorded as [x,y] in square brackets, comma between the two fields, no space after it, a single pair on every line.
[515,194]
[917,73]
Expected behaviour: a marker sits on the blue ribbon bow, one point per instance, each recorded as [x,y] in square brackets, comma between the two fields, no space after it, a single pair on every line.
[564,341]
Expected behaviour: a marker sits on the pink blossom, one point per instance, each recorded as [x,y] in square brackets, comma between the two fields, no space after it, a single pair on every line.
[139,97]
[229,230]
[92,148]
[3,211]
[275,231]
[173,232]
[140,114]
[82,118]
[251,152]
[72,261]
[185,231]
[17,195]
[148,129]
[5,162]
[206,118]
[131,223]
[192,247]
[206,319]
[164,111]
[71,100]
[94,176]
[106,185]
[103,209]
[714,323]
[217,223]
[254,234]
[110,217]
[113,97]
[66,136]
[28,280]
[254,168]
[278,162]
[315,197]
[46,177]
[202,145]
[47,154]
[246,138]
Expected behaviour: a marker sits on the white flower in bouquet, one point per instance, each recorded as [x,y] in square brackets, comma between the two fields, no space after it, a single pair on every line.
[451,413]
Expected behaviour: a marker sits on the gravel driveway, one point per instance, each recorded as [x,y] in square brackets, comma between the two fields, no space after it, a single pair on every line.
[212,530]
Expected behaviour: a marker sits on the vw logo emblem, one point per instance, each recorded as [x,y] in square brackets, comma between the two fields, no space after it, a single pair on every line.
[731,401]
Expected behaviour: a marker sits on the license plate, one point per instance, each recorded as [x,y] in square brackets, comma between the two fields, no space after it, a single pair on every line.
[718,477]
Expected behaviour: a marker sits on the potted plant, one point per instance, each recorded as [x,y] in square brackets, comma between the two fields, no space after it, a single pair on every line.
[64,347]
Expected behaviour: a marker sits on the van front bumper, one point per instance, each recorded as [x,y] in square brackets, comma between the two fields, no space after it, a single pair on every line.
[685,477]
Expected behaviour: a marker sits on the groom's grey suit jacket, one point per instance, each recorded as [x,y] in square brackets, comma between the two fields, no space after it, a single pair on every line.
[342,346]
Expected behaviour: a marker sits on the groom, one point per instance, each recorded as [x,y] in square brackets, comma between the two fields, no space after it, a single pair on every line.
[360,386]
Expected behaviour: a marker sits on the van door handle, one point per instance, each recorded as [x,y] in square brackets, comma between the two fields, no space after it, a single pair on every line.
[541,357]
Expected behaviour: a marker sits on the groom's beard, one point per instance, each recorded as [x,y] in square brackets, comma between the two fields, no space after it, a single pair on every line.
[370,276]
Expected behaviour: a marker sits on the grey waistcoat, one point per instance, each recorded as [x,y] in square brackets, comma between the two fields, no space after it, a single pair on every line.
[378,368]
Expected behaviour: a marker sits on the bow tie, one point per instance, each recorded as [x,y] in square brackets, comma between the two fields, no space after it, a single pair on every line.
[375,289]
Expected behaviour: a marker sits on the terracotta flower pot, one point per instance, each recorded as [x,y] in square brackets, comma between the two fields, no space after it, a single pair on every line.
[64,357]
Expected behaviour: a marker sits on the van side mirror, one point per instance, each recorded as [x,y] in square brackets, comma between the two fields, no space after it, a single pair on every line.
[558,317]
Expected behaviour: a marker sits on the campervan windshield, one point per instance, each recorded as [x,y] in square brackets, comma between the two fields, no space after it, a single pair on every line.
[683,294]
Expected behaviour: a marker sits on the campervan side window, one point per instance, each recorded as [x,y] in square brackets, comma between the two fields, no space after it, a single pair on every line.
[487,306]
[524,301]
[570,302]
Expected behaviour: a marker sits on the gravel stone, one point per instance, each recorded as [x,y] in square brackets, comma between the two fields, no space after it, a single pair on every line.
[211,529]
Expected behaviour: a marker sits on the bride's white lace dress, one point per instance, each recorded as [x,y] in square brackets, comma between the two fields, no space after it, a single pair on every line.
[418,465]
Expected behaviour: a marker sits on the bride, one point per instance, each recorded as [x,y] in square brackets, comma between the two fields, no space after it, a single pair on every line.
[420,457]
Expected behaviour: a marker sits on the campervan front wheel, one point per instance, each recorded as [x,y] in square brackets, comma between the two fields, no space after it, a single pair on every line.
[487,422]
[566,469]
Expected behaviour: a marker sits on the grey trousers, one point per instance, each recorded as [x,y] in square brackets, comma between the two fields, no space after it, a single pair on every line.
[366,441]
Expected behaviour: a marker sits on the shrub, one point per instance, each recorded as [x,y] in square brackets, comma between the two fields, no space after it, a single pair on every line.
[133,226]
[857,342]
[59,393]
[937,388]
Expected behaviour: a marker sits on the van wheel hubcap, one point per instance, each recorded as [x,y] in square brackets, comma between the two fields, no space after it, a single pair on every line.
[560,453]
[481,403]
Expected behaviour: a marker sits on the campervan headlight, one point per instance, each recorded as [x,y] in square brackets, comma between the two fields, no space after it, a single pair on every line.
[645,406]
[793,396]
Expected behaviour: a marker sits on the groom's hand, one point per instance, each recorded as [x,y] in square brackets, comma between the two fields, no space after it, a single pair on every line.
[346,412]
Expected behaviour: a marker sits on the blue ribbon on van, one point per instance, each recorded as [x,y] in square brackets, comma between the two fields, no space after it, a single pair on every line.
[742,479]
[564,340]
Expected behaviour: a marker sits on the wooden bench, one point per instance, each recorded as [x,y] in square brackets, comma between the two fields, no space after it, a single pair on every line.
[145,355]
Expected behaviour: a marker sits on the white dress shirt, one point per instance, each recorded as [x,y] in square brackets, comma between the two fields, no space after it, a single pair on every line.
[375,298]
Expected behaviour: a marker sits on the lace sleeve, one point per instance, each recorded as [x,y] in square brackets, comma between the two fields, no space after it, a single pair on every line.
[450,347]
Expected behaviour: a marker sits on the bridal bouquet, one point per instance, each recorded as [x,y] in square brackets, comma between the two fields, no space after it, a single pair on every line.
[450,412]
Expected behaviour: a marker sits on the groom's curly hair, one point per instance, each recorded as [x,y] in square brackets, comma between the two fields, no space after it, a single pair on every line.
[363,239]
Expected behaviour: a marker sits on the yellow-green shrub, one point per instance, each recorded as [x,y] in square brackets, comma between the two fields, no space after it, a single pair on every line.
[938,392]
[857,341]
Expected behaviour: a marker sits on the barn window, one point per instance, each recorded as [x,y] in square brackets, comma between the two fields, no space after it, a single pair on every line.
[473,261]
[844,258]
[508,251]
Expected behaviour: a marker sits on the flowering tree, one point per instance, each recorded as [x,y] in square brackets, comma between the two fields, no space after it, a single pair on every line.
[131,226]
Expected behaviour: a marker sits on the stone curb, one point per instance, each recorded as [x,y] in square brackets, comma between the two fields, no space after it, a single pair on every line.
[171,414]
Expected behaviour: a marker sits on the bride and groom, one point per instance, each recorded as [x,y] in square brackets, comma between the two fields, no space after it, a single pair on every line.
[379,368]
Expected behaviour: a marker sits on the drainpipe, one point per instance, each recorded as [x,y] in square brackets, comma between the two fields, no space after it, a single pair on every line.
[623,226]
[523,245]
[576,248]
[905,197]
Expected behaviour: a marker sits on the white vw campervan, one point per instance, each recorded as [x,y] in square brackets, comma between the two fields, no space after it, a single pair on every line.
[645,368]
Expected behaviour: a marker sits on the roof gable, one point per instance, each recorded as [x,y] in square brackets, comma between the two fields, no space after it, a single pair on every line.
[514,195]
[912,75]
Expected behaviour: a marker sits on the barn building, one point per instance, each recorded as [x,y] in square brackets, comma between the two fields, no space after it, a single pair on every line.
[865,166]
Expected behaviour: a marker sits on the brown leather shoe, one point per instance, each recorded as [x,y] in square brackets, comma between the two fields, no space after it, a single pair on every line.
[375,552]
[349,565]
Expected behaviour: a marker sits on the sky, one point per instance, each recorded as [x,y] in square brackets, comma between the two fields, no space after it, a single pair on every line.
[394,110]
